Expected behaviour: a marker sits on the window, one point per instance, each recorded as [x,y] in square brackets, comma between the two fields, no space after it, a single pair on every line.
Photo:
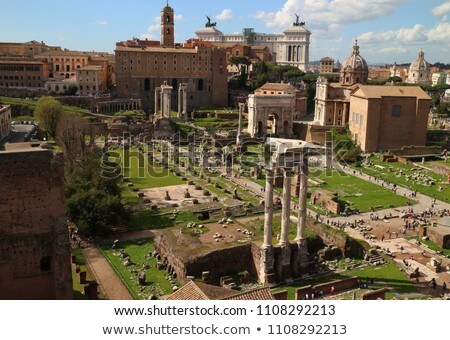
[396,110]
[46,264]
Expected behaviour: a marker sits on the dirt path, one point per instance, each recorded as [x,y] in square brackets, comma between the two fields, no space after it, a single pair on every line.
[111,287]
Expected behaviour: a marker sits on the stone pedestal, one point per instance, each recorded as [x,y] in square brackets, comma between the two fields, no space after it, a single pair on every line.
[267,261]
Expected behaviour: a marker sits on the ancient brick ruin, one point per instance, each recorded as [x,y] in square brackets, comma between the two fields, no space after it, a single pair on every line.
[34,240]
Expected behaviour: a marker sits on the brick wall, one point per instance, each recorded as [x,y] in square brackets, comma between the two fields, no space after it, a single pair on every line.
[34,240]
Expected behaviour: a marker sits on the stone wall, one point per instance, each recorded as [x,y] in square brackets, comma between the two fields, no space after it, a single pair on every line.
[34,240]
[375,295]
[326,199]
[416,151]
[349,246]
[218,262]
[325,288]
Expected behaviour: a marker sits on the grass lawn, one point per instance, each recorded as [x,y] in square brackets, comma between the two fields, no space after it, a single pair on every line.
[78,288]
[408,169]
[218,123]
[143,173]
[156,279]
[388,275]
[147,219]
[359,194]
[31,104]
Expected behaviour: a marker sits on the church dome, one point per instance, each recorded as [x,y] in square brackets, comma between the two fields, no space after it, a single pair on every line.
[355,62]
[420,63]
[354,69]
[419,70]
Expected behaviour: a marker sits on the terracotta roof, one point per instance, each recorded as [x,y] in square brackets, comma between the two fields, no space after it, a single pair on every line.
[201,291]
[62,53]
[277,87]
[254,294]
[155,49]
[379,91]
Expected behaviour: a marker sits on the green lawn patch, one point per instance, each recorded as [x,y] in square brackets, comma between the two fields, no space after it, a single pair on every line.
[381,170]
[157,284]
[142,172]
[359,194]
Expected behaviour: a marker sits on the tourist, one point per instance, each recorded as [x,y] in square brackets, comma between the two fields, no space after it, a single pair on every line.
[332,290]
[444,287]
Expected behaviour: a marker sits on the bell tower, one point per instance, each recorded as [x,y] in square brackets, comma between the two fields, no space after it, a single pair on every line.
[167,26]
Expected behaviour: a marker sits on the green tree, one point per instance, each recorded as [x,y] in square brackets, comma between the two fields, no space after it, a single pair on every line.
[93,200]
[48,112]
[395,79]
[72,90]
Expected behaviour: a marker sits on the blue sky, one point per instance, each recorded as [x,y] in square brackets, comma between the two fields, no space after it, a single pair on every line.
[388,30]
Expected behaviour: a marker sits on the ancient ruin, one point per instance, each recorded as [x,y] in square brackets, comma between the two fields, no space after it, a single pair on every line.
[34,238]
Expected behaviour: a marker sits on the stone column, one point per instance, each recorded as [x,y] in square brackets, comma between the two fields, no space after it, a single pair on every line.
[285,227]
[180,109]
[267,255]
[184,100]
[239,138]
[301,225]
[161,104]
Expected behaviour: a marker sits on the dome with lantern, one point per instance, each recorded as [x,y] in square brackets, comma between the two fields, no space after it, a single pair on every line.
[354,69]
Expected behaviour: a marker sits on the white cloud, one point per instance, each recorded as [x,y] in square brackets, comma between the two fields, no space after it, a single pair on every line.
[154,28]
[147,36]
[100,22]
[441,9]
[405,34]
[328,12]
[225,15]
[177,17]
[440,33]
[393,50]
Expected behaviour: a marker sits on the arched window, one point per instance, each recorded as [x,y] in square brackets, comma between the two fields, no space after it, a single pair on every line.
[168,18]
[168,31]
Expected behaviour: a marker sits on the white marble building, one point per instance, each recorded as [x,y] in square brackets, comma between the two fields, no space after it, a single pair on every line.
[289,48]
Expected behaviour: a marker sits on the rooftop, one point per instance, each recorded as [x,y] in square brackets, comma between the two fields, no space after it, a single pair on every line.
[201,291]
[156,49]
[379,91]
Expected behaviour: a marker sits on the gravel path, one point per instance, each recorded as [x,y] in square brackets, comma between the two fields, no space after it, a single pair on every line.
[111,287]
